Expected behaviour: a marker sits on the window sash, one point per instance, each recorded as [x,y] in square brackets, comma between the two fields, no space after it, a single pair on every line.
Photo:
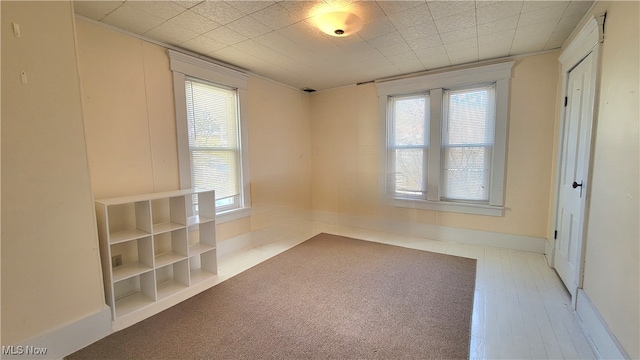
[409,183]
[216,169]
[475,178]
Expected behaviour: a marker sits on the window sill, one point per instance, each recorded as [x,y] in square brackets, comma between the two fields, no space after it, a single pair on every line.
[230,215]
[464,208]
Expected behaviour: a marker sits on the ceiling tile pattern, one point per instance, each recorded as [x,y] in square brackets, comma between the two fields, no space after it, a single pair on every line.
[279,39]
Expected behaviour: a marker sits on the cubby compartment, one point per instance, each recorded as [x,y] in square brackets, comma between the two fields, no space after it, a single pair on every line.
[136,256]
[170,247]
[203,266]
[202,238]
[168,214]
[134,292]
[172,278]
[128,221]
[204,211]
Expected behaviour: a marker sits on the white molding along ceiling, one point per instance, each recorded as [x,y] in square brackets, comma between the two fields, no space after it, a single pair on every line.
[280,40]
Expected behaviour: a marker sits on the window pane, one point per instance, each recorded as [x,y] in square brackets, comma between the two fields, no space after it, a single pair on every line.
[410,121]
[468,143]
[471,117]
[211,116]
[466,173]
[409,175]
[226,202]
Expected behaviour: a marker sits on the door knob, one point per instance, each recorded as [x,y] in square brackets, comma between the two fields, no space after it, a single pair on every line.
[575,185]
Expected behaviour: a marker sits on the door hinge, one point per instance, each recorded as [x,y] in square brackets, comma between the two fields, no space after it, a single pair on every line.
[555,235]
[566,100]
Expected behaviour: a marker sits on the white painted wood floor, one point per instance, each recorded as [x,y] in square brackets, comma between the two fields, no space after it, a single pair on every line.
[521,309]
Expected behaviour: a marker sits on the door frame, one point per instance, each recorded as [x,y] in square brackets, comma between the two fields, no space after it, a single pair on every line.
[587,42]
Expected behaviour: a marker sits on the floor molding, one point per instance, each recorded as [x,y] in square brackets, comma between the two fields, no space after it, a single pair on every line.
[228,246]
[436,232]
[549,252]
[602,340]
[66,339]
[291,225]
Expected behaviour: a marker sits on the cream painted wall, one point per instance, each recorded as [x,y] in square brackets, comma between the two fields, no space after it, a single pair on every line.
[611,269]
[345,138]
[344,128]
[129,115]
[131,139]
[51,272]
[279,127]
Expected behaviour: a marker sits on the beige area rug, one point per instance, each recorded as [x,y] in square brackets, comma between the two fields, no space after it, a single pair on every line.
[329,297]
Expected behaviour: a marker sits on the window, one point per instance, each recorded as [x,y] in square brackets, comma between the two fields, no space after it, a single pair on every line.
[445,140]
[214,146]
[210,124]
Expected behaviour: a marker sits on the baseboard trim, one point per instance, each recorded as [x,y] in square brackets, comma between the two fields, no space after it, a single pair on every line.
[604,343]
[65,339]
[549,250]
[263,236]
[228,246]
[435,232]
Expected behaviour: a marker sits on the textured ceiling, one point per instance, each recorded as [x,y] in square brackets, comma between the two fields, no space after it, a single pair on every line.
[278,39]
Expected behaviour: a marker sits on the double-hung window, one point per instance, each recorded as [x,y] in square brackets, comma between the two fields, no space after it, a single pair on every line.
[444,140]
[214,144]
[210,126]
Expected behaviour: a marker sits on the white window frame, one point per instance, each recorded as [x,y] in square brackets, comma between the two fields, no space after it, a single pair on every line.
[435,84]
[184,66]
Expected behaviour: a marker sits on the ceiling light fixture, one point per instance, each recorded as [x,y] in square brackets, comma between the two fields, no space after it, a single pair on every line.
[339,23]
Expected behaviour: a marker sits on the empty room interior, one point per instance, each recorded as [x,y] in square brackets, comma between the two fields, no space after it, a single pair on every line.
[506,132]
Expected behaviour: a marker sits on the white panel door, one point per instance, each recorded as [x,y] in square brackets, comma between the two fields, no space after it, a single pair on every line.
[573,173]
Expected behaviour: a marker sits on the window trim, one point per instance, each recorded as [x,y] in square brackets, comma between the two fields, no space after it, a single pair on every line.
[184,66]
[434,84]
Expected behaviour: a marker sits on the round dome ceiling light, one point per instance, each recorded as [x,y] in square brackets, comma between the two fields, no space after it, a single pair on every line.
[339,23]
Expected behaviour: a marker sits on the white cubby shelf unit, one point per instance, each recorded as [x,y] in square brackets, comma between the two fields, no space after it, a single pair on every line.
[162,245]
